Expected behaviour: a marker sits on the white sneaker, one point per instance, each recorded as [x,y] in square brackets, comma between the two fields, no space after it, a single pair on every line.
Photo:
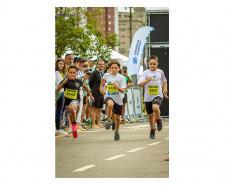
[61,132]
[69,130]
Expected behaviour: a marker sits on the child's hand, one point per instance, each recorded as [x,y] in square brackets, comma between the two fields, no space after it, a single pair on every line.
[165,94]
[115,85]
[92,98]
[65,81]
[149,78]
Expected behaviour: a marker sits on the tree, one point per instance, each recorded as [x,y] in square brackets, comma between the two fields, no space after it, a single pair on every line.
[84,41]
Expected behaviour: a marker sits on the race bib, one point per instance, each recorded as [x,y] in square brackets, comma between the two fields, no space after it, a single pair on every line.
[71,94]
[153,90]
[112,89]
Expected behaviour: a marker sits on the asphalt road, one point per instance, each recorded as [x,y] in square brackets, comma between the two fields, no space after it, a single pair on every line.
[95,153]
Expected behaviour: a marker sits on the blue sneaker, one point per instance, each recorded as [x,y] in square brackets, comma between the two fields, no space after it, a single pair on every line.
[108,125]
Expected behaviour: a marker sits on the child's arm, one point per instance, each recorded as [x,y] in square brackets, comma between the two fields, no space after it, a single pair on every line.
[121,90]
[145,81]
[165,90]
[61,85]
[103,91]
[87,90]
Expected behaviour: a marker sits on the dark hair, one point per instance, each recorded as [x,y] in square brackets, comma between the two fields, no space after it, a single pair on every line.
[120,71]
[153,57]
[73,67]
[105,71]
[114,61]
[56,65]
[67,55]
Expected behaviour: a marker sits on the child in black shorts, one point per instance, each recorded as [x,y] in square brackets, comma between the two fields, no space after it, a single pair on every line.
[71,87]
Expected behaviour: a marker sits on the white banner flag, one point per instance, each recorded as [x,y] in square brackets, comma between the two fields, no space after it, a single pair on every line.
[136,49]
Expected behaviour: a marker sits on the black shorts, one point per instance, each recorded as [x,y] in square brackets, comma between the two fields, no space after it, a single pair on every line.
[84,100]
[157,100]
[125,98]
[99,102]
[117,109]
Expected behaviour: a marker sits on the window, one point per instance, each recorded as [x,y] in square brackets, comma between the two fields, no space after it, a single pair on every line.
[109,22]
[104,16]
[104,22]
[119,15]
[109,29]
[104,29]
[119,24]
[101,22]
[109,16]
[101,16]
[109,10]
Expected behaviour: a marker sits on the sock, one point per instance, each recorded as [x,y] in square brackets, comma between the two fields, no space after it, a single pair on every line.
[106,116]
[116,132]
[158,119]
[153,129]
[74,122]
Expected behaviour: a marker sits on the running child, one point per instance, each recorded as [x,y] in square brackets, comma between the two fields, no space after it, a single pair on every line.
[116,85]
[71,87]
[152,79]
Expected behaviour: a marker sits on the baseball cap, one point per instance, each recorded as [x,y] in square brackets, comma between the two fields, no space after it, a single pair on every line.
[88,71]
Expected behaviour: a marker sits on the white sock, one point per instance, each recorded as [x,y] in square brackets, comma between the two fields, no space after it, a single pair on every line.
[106,116]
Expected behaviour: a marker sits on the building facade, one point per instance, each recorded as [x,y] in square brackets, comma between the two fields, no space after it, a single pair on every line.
[138,21]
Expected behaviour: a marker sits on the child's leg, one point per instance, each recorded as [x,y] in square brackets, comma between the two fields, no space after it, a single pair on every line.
[151,120]
[83,112]
[117,122]
[156,109]
[73,112]
[109,110]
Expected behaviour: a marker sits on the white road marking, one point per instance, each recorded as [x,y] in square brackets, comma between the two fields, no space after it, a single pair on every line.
[166,139]
[115,157]
[139,126]
[136,149]
[84,168]
[154,143]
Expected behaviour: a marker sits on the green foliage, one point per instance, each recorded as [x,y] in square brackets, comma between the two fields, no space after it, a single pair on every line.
[84,41]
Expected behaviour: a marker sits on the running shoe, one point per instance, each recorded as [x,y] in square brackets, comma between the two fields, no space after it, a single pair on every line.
[152,134]
[113,125]
[90,121]
[83,126]
[117,137]
[74,130]
[69,130]
[159,125]
[61,132]
[108,125]
[122,122]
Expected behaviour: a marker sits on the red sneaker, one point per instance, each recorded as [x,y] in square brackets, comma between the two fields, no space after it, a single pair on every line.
[74,130]
[123,122]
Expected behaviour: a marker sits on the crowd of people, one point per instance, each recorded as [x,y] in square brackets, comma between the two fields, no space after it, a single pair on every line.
[83,88]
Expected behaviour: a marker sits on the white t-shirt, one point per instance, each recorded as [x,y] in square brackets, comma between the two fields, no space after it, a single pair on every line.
[58,79]
[153,88]
[114,92]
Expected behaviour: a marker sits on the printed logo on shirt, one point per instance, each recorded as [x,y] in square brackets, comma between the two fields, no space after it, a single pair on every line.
[77,84]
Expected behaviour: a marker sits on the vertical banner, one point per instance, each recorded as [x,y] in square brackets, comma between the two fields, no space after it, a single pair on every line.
[137,48]
[130,102]
[137,100]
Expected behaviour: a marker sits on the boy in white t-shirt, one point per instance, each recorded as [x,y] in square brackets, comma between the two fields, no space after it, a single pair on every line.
[116,85]
[152,79]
